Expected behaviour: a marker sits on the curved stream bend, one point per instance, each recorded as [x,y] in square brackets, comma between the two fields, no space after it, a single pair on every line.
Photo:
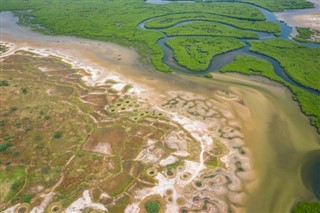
[217,62]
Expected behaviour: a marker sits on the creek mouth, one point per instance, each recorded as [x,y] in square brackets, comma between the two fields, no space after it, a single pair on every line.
[219,61]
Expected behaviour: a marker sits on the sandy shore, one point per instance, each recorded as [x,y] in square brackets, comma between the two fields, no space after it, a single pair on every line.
[308,18]
[312,21]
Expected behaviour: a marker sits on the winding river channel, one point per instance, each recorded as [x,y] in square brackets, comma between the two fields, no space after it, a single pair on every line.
[283,147]
[221,60]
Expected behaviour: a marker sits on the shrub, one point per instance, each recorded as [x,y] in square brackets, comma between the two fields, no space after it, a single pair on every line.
[28,129]
[208,75]
[27,198]
[4,146]
[16,185]
[24,90]
[4,83]
[152,207]
[17,124]
[13,109]
[45,170]
[57,135]
[3,122]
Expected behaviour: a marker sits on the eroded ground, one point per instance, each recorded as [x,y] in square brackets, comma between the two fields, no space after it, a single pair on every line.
[77,142]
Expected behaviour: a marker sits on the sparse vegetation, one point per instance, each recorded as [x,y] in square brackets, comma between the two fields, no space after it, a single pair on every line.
[308,35]
[57,135]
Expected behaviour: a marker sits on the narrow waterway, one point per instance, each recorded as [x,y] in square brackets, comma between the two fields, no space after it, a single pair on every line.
[221,60]
[279,137]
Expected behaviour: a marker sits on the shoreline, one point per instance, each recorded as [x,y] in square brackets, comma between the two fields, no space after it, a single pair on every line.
[308,18]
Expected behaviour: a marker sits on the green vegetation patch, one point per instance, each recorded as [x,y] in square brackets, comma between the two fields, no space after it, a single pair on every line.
[11,181]
[251,66]
[280,5]
[307,207]
[173,19]
[307,35]
[196,53]
[118,184]
[152,206]
[272,5]
[208,29]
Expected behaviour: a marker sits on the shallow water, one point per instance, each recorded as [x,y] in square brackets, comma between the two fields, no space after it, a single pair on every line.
[278,135]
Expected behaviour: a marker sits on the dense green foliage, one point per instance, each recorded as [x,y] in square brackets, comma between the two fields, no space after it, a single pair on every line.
[152,207]
[116,21]
[307,34]
[272,5]
[251,66]
[196,53]
[248,65]
[301,63]
[306,207]
[255,23]
[4,146]
[208,29]
[279,5]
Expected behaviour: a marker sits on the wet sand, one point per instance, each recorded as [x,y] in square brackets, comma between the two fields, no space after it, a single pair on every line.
[276,133]
[308,18]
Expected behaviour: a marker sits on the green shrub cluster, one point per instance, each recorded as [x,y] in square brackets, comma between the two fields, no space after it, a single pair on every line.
[196,53]
[208,29]
[152,207]
[306,35]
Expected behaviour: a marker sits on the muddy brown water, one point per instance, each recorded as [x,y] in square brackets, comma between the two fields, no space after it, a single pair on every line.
[278,135]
